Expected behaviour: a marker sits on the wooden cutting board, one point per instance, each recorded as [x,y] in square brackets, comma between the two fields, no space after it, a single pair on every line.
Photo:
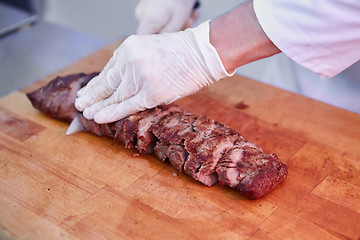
[82,186]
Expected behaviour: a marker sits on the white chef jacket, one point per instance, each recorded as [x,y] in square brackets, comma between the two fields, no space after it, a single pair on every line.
[320,35]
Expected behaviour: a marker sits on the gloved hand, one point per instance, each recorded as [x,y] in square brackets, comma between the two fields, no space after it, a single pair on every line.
[160,16]
[149,70]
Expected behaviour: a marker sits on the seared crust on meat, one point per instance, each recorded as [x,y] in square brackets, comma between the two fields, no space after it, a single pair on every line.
[250,170]
[208,151]
[203,139]
[57,98]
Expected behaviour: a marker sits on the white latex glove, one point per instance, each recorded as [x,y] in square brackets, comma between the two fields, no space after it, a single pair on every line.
[149,70]
[161,16]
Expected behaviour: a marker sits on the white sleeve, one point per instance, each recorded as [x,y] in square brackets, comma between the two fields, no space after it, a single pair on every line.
[321,35]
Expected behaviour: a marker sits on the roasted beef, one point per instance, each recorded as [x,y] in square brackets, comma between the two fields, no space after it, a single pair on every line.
[247,168]
[203,139]
[57,97]
[208,151]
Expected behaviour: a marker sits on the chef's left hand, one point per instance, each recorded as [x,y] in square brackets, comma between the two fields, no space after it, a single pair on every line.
[149,70]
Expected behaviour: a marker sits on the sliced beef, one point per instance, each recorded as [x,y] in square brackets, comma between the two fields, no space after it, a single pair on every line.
[97,129]
[204,156]
[247,168]
[134,131]
[125,131]
[162,151]
[211,140]
[146,140]
[90,125]
[203,139]
[202,148]
[174,127]
[108,130]
[176,154]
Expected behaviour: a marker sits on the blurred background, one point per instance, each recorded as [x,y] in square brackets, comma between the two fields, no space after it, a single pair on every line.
[39,37]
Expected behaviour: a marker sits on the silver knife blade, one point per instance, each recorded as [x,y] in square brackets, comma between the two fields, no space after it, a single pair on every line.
[75,126]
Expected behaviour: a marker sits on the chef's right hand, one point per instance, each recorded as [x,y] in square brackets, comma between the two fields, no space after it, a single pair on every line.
[161,16]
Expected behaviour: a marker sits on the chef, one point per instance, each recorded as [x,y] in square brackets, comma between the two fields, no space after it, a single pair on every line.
[152,69]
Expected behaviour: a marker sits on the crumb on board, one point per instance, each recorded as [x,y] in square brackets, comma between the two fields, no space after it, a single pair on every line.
[136,155]
[174,174]
[241,105]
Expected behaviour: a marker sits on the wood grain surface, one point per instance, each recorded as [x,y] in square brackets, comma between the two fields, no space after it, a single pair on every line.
[82,186]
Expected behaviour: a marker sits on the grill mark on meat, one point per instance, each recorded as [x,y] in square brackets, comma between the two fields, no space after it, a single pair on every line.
[202,148]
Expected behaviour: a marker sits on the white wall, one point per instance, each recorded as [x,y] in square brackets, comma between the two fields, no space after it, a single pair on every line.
[112,19]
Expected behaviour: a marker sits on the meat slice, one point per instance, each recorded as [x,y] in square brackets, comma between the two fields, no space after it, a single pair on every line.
[205,156]
[162,151]
[247,168]
[97,129]
[57,98]
[146,140]
[108,130]
[125,131]
[90,125]
[134,131]
[174,127]
[211,141]
[176,154]
[203,139]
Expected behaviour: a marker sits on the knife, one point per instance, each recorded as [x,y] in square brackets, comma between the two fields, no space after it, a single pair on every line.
[75,126]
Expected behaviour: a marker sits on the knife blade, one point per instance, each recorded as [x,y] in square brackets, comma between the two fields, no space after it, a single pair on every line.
[75,126]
